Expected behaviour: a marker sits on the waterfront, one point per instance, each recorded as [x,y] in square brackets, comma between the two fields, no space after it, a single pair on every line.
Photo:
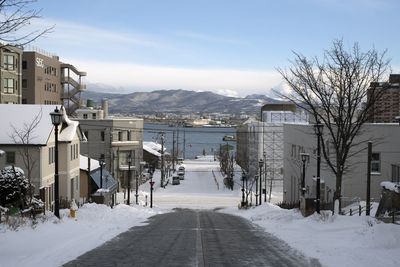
[191,141]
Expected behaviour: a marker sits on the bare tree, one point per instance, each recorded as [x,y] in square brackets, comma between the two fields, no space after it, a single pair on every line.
[23,137]
[15,16]
[334,91]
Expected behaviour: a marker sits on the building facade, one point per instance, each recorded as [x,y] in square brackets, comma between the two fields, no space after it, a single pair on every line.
[48,81]
[387,107]
[114,140]
[39,150]
[384,167]
[10,75]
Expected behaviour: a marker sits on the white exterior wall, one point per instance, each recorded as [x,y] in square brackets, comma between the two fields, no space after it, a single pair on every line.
[301,138]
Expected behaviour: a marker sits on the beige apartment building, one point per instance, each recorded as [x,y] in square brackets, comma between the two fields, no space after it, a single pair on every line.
[40,148]
[10,75]
[112,139]
[48,81]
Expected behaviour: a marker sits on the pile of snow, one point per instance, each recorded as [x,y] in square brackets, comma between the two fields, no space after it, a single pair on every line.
[391,186]
[334,240]
[54,242]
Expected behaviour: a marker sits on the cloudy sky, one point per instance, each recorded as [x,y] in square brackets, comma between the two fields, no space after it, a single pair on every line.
[230,47]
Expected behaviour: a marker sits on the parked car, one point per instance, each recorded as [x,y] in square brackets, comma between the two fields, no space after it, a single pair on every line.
[175,179]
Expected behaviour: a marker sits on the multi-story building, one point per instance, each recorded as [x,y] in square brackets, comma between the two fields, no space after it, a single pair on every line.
[10,75]
[113,140]
[384,166]
[264,141]
[387,106]
[46,80]
[35,155]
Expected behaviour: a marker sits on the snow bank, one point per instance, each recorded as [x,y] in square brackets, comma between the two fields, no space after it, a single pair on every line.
[334,240]
[55,242]
[391,186]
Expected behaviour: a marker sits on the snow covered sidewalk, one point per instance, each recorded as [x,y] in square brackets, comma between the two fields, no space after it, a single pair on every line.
[53,242]
[334,240]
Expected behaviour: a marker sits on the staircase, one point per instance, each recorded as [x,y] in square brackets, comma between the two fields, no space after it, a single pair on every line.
[72,88]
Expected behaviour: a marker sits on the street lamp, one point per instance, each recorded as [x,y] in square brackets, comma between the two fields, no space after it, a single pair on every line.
[56,120]
[318,128]
[129,178]
[304,158]
[260,165]
[102,163]
[142,163]
[256,178]
[265,176]
[243,178]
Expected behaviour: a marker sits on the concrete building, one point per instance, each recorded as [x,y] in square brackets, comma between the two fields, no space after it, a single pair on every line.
[385,163]
[39,149]
[112,139]
[387,108]
[48,81]
[264,140]
[10,75]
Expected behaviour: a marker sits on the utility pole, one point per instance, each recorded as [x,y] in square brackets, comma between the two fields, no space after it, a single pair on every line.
[184,143]
[368,208]
[162,159]
[177,143]
[173,150]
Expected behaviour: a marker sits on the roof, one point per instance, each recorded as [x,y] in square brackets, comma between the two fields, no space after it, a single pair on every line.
[108,181]
[20,118]
[152,148]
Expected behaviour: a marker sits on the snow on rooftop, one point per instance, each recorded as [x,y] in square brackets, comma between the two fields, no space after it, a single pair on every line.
[152,148]
[20,117]
[94,164]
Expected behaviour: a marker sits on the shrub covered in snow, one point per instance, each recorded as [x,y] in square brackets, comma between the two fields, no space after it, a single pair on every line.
[14,188]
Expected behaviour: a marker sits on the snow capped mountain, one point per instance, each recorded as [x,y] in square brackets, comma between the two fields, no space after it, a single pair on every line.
[179,101]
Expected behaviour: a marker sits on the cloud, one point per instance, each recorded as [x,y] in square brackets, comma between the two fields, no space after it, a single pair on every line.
[138,77]
[78,34]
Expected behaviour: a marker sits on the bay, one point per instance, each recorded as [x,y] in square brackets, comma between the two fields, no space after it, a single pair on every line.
[192,142]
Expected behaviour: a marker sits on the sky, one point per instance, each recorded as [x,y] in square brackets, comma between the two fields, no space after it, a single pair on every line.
[229,47]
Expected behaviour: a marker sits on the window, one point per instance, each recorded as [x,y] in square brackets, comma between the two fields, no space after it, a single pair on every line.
[128,134]
[86,134]
[376,163]
[24,64]
[51,155]
[10,157]
[8,86]
[119,136]
[85,117]
[9,62]
[24,83]
[94,116]
[102,136]
[395,173]
[74,151]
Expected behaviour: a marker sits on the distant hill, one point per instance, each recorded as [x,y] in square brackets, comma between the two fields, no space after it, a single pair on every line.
[179,101]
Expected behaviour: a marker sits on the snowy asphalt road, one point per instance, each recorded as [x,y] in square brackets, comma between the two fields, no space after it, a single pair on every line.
[194,238]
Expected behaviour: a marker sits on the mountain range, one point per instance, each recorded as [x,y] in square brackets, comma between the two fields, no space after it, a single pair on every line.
[179,101]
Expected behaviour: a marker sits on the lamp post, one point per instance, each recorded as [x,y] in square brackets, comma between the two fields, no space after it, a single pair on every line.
[304,158]
[142,163]
[243,178]
[128,202]
[56,120]
[318,128]
[260,165]
[256,178]
[102,163]
[265,176]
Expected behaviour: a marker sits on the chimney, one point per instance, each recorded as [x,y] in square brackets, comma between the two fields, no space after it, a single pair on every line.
[104,104]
